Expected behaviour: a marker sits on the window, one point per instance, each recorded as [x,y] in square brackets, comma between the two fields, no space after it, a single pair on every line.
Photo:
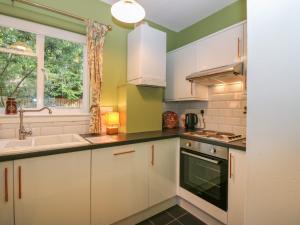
[42,66]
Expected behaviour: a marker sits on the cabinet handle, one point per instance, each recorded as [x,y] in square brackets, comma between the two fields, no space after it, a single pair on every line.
[20,181]
[6,185]
[191,88]
[230,165]
[152,154]
[123,153]
[238,48]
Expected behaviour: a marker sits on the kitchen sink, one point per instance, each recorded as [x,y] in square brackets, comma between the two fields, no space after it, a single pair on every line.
[57,139]
[41,143]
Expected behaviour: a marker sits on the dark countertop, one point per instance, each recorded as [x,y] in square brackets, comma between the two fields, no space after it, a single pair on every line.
[121,139]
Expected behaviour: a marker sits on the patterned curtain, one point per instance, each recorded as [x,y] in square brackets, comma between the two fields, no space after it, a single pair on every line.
[95,42]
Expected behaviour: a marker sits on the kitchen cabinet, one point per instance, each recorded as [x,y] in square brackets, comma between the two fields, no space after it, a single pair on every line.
[6,193]
[119,182]
[220,49]
[147,56]
[181,63]
[236,187]
[53,189]
[162,170]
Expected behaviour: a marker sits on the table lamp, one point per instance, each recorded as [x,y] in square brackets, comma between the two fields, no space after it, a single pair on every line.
[112,122]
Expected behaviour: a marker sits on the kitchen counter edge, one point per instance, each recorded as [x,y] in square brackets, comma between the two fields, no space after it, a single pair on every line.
[121,139]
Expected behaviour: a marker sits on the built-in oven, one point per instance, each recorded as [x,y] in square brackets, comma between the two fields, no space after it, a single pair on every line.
[204,171]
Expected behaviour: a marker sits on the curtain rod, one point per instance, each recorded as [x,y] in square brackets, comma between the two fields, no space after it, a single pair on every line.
[61,12]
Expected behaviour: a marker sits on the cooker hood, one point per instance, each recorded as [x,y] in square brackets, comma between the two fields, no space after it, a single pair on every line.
[220,75]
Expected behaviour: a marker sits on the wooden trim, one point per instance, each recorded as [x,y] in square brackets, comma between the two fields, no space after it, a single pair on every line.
[152,155]
[20,182]
[6,185]
[123,153]
[230,165]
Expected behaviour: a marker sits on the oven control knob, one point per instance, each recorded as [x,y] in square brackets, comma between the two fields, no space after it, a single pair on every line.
[213,150]
[188,144]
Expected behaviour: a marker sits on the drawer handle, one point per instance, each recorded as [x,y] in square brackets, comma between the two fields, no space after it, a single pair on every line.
[20,182]
[238,48]
[123,153]
[230,165]
[152,155]
[5,185]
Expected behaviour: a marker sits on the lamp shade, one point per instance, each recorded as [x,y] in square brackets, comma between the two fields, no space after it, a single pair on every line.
[112,119]
[128,11]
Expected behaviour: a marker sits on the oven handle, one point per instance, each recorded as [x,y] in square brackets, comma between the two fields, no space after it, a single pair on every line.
[200,157]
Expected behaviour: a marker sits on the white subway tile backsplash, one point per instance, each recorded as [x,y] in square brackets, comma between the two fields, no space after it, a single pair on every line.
[52,130]
[81,129]
[224,111]
[211,126]
[7,133]
[225,128]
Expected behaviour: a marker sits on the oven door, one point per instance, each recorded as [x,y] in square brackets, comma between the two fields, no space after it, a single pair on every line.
[204,176]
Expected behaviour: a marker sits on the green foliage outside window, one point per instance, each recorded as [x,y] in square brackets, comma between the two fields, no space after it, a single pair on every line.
[63,73]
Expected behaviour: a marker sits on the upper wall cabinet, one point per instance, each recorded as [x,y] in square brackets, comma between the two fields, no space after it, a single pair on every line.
[220,49]
[146,56]
[181,63]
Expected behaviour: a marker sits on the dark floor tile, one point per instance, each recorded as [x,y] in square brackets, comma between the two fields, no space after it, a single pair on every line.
[161,218]
[146,222]
[189,219]
[176,211]
[175,222]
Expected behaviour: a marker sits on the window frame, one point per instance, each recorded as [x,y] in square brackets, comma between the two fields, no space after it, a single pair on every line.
[41,31]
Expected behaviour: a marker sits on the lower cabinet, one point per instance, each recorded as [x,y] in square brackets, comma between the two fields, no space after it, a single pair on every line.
[6,193]
[53,189]
[128,179]
[162,170]
[97,187]
[119,186]
[236,187]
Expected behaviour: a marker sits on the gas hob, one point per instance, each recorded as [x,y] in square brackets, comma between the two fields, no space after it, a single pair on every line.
[215,135]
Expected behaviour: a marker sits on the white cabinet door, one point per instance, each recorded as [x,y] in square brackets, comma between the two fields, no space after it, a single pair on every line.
[220,49]
[53,190]
[185,64]
[170,91]
[6,193]
[162,170]
[119,183]
[236,187]
[147,56]
[181,63]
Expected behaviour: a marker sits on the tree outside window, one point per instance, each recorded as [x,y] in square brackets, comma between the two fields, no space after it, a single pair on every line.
[62,70]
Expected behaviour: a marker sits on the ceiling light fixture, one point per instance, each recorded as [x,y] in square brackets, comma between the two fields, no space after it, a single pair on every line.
[128,11]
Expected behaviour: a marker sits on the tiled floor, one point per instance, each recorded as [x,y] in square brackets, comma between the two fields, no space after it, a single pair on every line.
[173,216]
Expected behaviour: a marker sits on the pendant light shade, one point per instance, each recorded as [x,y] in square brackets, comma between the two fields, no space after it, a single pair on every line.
[128,11]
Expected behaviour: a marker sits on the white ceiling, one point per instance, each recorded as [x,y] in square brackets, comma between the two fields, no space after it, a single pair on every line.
[179,14]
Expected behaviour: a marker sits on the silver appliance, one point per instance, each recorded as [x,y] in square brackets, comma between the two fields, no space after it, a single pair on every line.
[220,75]
[215,135]
[204,171]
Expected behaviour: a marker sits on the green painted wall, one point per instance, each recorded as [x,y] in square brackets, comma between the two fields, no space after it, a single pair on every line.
[144,108]
[226,17]
[144,104]
[115,52]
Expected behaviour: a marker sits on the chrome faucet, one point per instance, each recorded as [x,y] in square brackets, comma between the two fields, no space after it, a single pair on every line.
[22,132]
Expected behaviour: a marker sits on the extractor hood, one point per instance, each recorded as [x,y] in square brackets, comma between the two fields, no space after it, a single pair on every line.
[220,75]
